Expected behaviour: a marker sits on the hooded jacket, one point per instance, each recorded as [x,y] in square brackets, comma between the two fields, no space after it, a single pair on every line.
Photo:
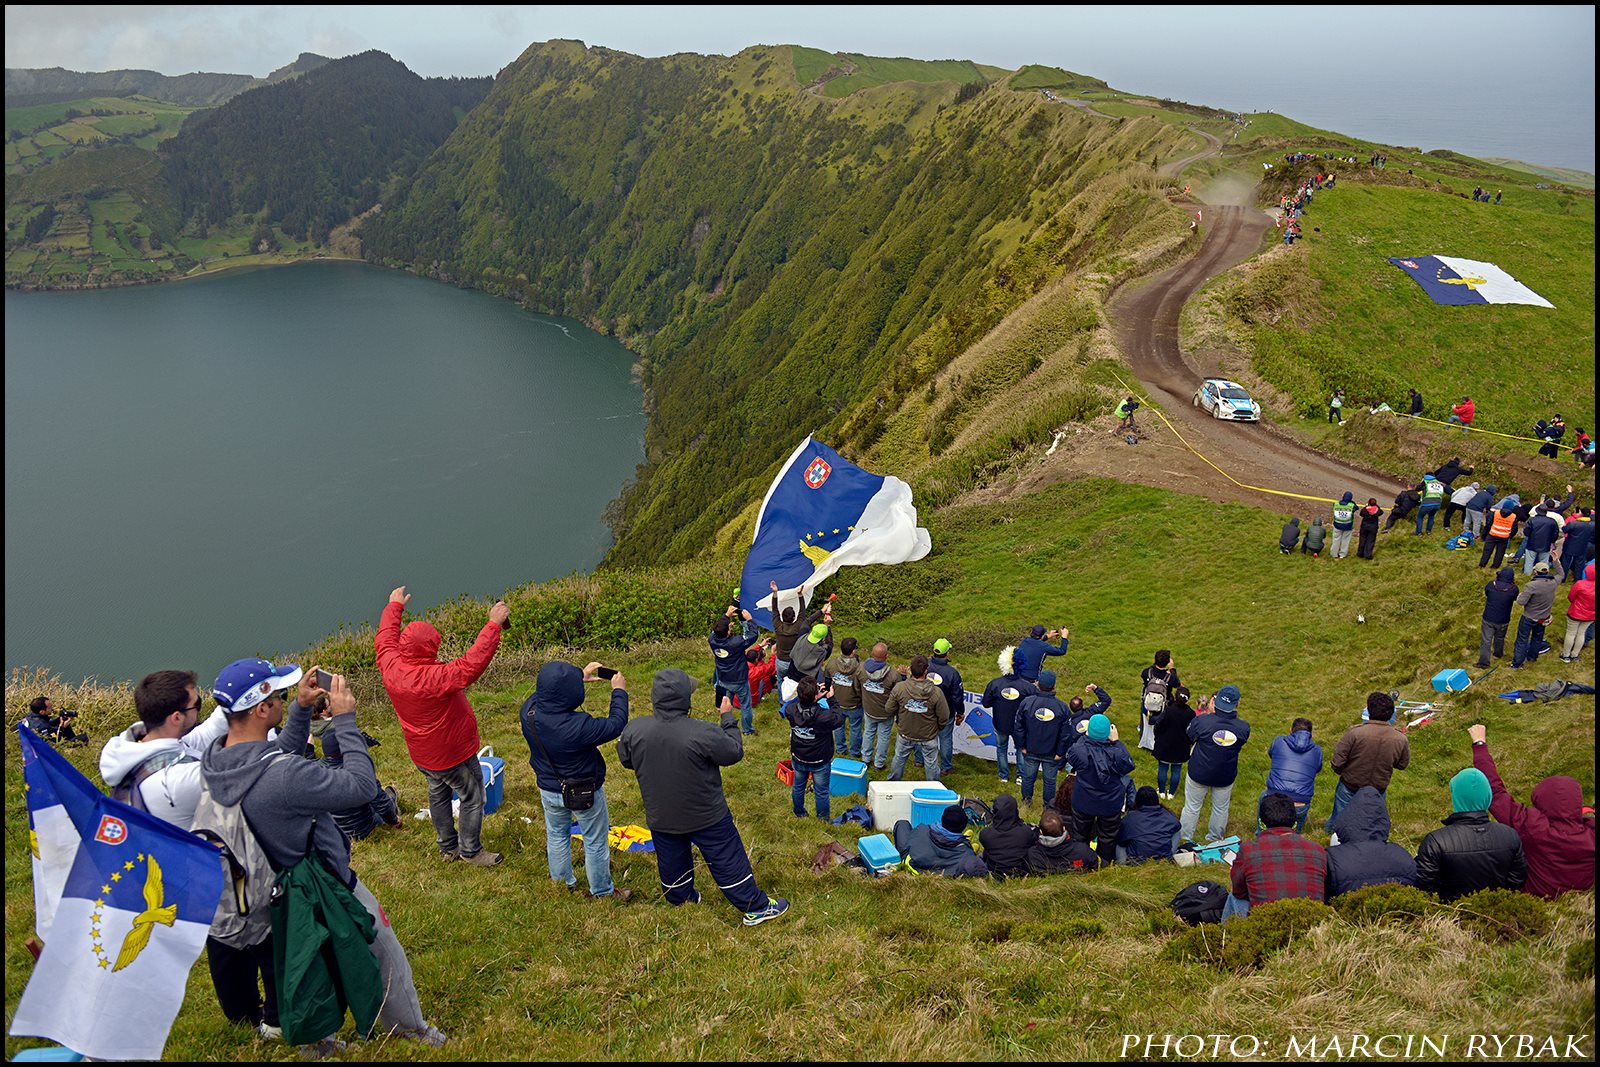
[1062,855]
[807,657]
[935,850]
[1557,840]
[1369,753]
[1006,839]
[1542,531]
[881,680]
[571,737]
[1002,697]
[1043,727]
[847,677]
[429,697]
[787,633]
[1364,854]
[1296,760]
[1172,732]
[1217,738]
[1538,597]
[1507,507]
[1580,539]
[280,797]
[1344,512]
[171,792]
[1464,412]
[811,731]
[1316,535]
[679,760]
[1100,766]
[1370,514]
[1469,853]
[727,653]
[1580,598]
[1481,499]
[1463,496]
[918,708]
[1290,535]
[1499,596]
[1148,833]
[1030,654]
[948,679]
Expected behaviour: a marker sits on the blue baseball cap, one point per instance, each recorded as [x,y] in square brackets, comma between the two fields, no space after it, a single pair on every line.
[1227,698]
[1047,679]
[244,683]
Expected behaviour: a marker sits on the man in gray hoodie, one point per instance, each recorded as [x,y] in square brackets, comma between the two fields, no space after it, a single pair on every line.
[679,763]
[1538,600]
[288,801]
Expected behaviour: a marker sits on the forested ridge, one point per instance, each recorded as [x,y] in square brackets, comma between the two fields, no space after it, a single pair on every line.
[782,263]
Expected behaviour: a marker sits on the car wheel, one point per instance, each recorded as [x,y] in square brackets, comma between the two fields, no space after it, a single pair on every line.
[1195,401]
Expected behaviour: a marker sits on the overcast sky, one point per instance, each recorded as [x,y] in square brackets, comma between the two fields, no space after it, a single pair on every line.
[1291,59]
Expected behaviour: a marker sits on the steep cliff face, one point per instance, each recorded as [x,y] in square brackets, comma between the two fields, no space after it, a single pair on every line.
[783,263]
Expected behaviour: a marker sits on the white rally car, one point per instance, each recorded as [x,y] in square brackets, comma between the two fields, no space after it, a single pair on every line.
[1227,400]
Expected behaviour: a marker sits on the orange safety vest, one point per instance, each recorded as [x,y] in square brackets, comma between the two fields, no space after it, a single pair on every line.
[1501,525]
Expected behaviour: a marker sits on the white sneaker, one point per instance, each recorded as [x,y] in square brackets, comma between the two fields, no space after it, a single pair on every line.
[269,1032]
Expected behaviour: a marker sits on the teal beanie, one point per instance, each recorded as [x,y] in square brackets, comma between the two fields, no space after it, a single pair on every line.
[1469,791]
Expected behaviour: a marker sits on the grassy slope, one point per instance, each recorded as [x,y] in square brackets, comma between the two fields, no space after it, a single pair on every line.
[515,967]
[875,70]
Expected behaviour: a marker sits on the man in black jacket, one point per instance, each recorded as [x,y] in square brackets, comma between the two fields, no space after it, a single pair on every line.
[1057,852]
[1006,839]
[679,762]
[1498,598]
[1469,852]
[563,746]
[1405,502]
[948,679]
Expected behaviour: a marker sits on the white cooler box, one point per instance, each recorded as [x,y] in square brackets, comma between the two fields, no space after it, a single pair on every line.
[890,802]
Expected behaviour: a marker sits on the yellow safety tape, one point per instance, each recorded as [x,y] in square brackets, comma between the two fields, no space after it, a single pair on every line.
[1202,455]
[1474,429]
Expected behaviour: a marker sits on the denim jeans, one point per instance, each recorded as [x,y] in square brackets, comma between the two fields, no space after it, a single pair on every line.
[595,825]
[819,774]
[1032,767]
[1234,908]
[1522,550]
[1002,755]
[1474,521]
[740,693]
[1300,812]
[1194,798]
[876,746]
[1429,512]
[1169,776]
[849,731]
[947,744]
[928,750]
[1530,639]
[1533,559]
[466,780]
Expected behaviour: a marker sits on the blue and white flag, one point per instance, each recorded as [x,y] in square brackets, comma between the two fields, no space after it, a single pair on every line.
[123,903]
[1449,280]
[974,734]
[822,513]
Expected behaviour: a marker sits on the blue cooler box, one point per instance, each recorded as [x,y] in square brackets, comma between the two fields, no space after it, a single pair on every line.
[1213,853]
[878,853]
[847,777]
[494,779]
[927,805]
[1451,681]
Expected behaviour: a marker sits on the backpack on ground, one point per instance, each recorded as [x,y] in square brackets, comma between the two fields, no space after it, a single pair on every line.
[129,791]
[979,814]
[1200,903]
[243,917]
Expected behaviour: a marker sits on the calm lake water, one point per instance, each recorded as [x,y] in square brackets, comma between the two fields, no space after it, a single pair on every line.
[234,466]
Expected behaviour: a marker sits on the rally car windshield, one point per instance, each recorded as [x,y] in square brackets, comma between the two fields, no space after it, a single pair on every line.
[1235,393]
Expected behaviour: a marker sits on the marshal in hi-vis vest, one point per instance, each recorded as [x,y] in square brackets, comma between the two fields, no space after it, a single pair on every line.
[1500,525]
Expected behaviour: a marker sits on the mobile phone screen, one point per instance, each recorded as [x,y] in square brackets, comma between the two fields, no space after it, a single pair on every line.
[323,679]
[605,673]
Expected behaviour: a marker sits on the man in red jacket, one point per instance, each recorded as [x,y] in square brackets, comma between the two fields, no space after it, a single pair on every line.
[441,731]
[1461,414]
[1557,838]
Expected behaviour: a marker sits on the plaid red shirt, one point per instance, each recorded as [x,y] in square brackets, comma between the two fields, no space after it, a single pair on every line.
[1277,865]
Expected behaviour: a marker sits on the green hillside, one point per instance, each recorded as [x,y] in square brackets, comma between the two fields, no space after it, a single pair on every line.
[1036,76]
[737,234]
[976,970]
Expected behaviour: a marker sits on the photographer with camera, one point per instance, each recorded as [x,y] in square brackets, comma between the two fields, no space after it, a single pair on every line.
[564,752]
[44,720]
[1125,412]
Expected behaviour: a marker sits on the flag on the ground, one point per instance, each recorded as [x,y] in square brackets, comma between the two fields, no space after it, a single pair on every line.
[822,513]
[622,838]
[123,902]
[1466,281]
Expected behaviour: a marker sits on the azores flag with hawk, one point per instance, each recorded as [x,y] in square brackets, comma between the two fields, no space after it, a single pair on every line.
[822,513]
[122,900]
[1458,282]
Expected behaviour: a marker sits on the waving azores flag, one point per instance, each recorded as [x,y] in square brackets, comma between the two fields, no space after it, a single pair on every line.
[822,513]
[1449,280]
[123,901]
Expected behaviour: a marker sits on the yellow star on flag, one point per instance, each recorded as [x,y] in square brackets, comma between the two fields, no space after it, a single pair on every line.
[129,865]
[105,963]
[102,903]
[104,889]
[116,876]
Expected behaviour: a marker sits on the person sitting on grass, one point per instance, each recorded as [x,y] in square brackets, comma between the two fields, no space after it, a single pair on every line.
[1557,837]
[1468,852]
[1278,865]
[1056,851]
[1363,853]
[1149,831]
[1007,839]
[942,849]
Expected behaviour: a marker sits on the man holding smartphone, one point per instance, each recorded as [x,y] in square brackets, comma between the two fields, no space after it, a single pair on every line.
[440,728]
[733,670]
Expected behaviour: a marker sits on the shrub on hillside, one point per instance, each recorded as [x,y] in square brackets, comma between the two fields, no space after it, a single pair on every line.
[1504,915]
[1244,944]
[1580,960]
[874,593]
[1057,933]
[1385,904]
